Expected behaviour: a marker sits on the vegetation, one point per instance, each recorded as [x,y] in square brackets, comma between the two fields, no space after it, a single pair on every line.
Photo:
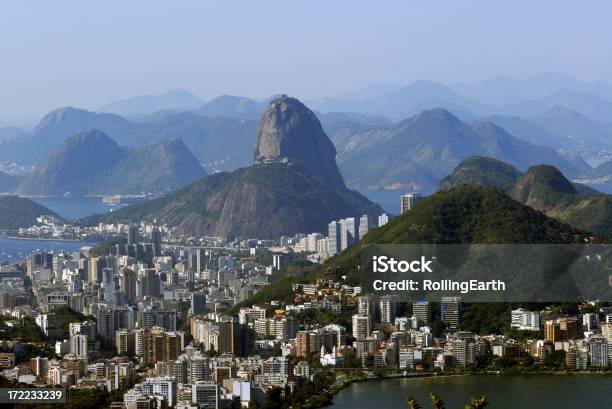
[24,329]
[438,403]
[67,315]
[103,248]
[16,212]
[465,214]
[265,200]
[480,170]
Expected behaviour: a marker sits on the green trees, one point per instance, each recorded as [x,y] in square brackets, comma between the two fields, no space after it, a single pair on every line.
[438,403]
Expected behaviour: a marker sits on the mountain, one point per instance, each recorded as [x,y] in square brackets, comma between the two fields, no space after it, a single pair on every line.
[232,107]
[16,212]
[604,170]
[503,89]
[400,103]
[264,201]
[349,101]
[55,128]
[419,96]
[543,188]
[341,126]
[8,183]
[293,186]
[10,132]
[480,170]
[289,130]
[418,152]
[574,125]
[589,104]
[92,162]
[463,215]
[178,99]
[529,131]
[219,143]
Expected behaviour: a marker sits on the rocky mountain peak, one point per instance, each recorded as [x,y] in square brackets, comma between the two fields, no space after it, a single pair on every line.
[289,130]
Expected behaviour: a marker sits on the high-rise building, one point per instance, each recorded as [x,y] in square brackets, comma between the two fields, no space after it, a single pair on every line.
[365,225]
[333,234]
[163,386]
[198,303]
[598,349]
[39,367]
[125,341]
[525,320]
[78,345]
[362,326]
[348,233]
[422,311]
[408,201]
[156,241]
[388,308]
[277,261]
[449,307]
[132,235]
[129,280]
[383,219]
[205,394]
[94,269]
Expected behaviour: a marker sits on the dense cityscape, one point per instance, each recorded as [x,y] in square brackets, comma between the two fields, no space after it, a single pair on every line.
[163,319]
[298,205]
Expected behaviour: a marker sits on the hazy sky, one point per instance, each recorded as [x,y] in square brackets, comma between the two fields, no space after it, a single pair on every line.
[57,53]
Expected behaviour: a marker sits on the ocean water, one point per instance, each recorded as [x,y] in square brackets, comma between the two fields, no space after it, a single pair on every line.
[389,200]
[13,250]
[73,208]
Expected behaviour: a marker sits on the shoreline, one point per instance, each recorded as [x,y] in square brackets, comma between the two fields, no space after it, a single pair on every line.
[337,388]
[6,235]
[46,239]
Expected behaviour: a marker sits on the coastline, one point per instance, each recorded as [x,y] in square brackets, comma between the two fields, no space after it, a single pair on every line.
[46,239]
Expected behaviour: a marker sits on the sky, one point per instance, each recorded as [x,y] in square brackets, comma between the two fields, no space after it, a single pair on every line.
[75,53]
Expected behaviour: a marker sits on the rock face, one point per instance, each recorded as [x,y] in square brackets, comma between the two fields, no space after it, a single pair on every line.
[288,129]
[294,186]
[93,163]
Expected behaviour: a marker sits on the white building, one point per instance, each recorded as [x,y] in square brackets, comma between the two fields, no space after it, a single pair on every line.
[525,320]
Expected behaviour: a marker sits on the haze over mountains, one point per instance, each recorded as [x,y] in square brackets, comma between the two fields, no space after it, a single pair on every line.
[400,130]
[93,163]
[293,186]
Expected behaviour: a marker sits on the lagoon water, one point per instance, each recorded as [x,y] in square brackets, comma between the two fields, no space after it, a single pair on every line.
[503,392]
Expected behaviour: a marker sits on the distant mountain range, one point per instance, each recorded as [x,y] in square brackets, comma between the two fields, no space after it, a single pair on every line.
[418,152]
[543,188]
[8,183]
[219,142]
[293,186]
[502,89]
[178,99]
[16,212]
[93,163]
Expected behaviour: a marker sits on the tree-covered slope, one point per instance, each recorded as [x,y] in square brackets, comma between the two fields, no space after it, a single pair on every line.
[16,212]
[264,201]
